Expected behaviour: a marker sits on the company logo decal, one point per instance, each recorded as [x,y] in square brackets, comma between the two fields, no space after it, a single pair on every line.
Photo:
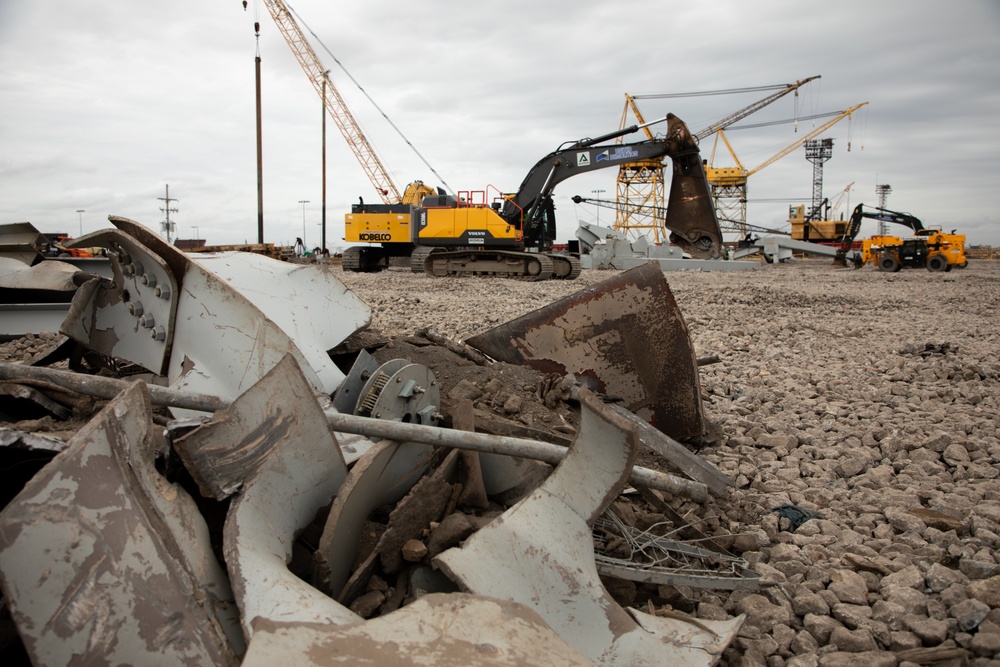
[620,153]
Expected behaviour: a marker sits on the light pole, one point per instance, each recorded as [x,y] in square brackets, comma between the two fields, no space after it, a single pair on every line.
[598,193]
[195,228]
[304,202]
[80,212]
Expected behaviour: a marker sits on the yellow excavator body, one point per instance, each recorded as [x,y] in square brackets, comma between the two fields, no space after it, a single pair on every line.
[385,223]
[464,225]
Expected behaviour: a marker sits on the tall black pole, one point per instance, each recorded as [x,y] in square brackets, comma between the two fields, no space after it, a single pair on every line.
[323,217]
[260,163]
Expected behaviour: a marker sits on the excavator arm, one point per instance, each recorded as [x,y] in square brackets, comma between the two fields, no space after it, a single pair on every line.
[881,214]
[690,213]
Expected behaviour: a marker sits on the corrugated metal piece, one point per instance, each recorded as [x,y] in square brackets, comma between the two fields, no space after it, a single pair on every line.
[103,561]
[624,338]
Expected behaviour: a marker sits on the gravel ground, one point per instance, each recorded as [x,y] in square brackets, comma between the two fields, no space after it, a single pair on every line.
[868,399]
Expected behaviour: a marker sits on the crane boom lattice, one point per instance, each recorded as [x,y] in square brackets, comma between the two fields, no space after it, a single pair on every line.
[729,184]
[334,102]
[640,187]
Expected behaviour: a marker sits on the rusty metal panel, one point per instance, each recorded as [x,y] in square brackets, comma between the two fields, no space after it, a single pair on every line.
[16,274]
[540,553]
[18,241]
[103,561]
[624,338]
[306,301]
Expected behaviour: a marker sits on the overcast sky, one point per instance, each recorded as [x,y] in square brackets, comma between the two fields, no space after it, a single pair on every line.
[104,103]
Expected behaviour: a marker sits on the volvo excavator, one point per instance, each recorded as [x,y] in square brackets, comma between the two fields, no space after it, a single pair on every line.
[928,248]
[511,235]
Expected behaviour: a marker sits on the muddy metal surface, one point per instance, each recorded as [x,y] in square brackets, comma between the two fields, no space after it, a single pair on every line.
[855,413]
[254,457]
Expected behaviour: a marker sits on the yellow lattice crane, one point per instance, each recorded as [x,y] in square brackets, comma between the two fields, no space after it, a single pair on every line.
[640,187]
[342,117]
[729,184]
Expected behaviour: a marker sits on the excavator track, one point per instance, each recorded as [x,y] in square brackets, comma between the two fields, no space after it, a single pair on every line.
[350,260]
[363,260]
[418,256]
[509,264]
[567,267]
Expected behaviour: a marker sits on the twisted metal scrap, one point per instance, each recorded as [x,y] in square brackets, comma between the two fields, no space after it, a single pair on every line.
[653,557]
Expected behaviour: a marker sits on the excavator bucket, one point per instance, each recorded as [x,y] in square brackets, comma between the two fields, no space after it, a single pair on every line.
[690,210]
[624,338]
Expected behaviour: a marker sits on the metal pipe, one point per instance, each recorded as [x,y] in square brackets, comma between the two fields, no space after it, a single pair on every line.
[108,388]
[500,444]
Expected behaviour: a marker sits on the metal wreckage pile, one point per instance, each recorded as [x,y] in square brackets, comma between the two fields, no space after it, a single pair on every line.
[272,492]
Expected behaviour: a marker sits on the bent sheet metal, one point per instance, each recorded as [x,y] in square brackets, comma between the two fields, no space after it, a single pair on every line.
[625,338]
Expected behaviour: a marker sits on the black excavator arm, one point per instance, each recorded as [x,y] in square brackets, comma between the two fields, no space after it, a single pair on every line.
[690,213]
[881,214]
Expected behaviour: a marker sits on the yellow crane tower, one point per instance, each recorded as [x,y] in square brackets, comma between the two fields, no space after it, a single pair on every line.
[729,184]
[342,117]
[335,105]
[640,185]
[391,230]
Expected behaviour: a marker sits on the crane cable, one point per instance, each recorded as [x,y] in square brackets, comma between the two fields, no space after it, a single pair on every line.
[256,23]
[365,93]
[703,93]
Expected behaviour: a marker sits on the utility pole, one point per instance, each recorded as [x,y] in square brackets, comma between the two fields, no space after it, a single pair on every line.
[322,109]
[167,226]
[260,147]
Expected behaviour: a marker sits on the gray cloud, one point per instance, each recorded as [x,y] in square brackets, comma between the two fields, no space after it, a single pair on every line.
[104,103]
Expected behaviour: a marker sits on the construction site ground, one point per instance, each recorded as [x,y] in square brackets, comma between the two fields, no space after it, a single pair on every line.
[866,403]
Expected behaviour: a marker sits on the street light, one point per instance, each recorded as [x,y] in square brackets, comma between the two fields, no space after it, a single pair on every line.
[80,211]
[598,193]
[304,202]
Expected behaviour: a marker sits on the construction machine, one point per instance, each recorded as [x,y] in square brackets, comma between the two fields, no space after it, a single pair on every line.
[511,235]
[929,248]
[387,228]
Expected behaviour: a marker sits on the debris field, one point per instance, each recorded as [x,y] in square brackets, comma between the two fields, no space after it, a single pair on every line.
[852,414]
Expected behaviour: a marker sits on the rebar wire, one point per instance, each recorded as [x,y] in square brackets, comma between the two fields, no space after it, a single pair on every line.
[652,550]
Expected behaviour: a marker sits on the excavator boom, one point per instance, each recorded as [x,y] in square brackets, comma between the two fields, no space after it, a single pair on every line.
[690,212]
